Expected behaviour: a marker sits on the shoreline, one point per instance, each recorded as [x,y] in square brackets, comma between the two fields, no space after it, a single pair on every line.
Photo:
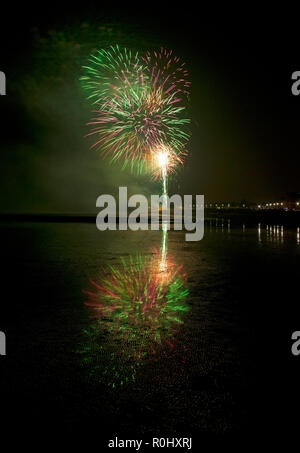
[234,216]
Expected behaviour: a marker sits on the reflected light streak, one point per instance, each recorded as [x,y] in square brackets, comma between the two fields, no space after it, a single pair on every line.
[138,308]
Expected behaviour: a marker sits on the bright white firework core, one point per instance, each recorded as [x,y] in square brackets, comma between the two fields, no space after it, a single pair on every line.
[163,159]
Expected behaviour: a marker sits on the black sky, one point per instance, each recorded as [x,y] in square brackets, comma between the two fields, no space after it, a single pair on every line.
[245,142]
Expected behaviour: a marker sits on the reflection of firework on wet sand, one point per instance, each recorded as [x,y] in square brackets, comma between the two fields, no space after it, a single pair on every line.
[138,307]
[139,301]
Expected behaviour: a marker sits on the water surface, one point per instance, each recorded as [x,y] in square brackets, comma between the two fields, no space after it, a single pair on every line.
[137,332]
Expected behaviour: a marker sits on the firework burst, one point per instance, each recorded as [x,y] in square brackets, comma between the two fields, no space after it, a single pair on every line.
[137,120]
[164,161]
[166,70]
[139,107]
[107,69]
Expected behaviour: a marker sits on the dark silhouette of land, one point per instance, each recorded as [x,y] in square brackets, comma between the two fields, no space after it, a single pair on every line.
[235,216]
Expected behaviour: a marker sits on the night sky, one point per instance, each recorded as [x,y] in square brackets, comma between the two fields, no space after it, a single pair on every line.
[245,120]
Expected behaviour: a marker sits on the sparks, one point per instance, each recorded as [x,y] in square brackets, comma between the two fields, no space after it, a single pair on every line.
[139,107]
